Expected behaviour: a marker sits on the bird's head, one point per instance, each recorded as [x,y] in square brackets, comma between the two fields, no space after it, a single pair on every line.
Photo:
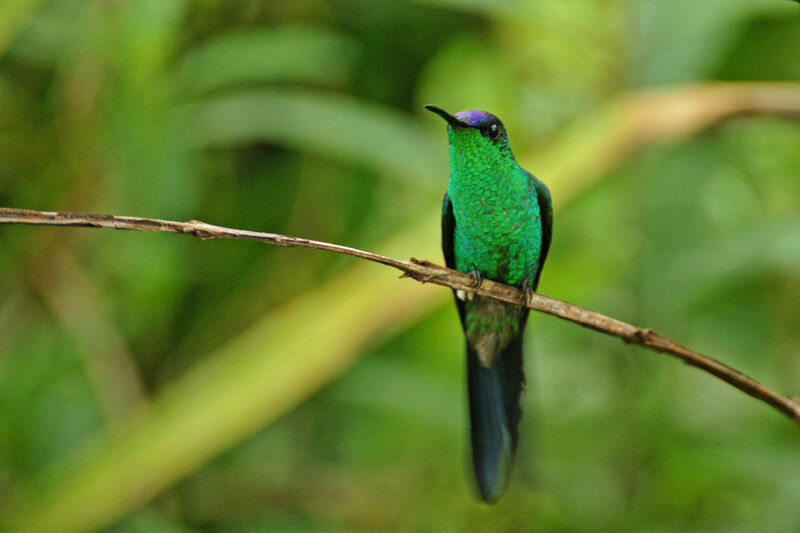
[475,133]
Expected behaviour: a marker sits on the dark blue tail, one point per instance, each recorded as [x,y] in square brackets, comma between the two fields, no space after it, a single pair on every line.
[494,416]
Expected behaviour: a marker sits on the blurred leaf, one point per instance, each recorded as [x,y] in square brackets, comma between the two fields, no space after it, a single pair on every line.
[51,33]
[486,84]
[393,388]
[539,65]
[696,271]
[151,522]
[673,34]
[334,126]
[299,54]
[13,15]
[766,37]
[511,10]
[147,36]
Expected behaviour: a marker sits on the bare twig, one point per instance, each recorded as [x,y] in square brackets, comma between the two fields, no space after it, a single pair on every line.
[427,272]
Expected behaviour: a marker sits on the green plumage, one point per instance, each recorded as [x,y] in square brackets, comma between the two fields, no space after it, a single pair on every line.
[499,232]
[499,227]
[496,221]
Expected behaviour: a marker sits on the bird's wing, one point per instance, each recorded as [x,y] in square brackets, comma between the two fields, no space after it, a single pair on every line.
[546,214]
[448,243]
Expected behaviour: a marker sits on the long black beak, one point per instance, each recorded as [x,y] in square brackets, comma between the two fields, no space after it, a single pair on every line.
[453,121]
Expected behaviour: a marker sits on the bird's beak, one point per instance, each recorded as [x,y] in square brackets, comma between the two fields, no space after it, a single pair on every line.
[453,121]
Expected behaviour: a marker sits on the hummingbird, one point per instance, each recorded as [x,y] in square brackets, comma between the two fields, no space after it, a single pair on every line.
[497,223]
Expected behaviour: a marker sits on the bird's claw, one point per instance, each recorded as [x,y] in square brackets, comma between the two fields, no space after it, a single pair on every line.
[477,278]
[527,292]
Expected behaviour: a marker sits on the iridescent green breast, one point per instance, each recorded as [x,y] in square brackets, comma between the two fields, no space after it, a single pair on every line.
[498,228]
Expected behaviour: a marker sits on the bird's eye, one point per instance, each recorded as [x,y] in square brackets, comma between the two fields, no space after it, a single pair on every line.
[493,131]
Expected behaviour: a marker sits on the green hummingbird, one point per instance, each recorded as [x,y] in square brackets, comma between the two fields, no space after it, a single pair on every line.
[497,223]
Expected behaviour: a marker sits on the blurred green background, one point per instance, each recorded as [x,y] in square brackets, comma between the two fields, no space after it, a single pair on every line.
[152,382]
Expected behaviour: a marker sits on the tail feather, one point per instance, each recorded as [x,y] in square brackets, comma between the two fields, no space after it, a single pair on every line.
[495,413]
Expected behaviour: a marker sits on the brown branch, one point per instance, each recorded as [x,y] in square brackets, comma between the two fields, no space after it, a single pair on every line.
[427,272]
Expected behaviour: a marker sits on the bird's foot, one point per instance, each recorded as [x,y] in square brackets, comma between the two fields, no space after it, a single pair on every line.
[477,278]
[527,291]
[475,282]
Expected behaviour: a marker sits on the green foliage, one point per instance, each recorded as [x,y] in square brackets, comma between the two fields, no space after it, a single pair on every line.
[158,383]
